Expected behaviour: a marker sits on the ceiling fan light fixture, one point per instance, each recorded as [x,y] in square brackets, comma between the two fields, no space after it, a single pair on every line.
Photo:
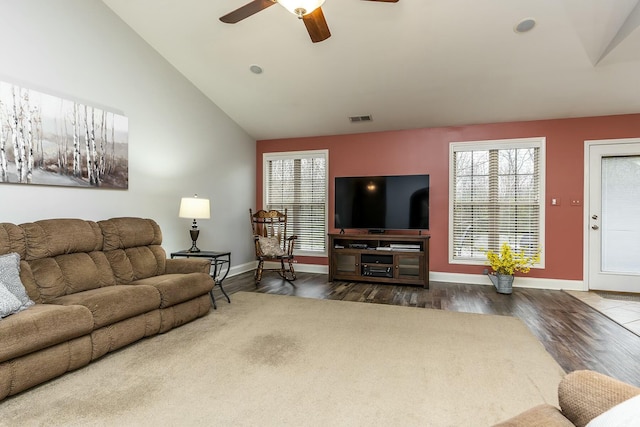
[301,7]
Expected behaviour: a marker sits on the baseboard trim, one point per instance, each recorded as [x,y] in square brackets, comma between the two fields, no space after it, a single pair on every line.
[472,279]
[243,268]
[303,268]
[519,282]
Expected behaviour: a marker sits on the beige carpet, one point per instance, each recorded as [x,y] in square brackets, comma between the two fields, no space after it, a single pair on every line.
[268,360]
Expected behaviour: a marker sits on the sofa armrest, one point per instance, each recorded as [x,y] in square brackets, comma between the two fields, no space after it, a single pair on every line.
[541,415]
[188,265]
[583,395]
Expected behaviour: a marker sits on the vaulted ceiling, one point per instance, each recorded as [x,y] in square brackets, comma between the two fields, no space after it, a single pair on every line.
[411,64]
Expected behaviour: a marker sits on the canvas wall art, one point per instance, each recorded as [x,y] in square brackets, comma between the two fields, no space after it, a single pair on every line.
[48,140]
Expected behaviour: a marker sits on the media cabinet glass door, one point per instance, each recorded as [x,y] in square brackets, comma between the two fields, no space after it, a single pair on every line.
[409,266]
[347,263]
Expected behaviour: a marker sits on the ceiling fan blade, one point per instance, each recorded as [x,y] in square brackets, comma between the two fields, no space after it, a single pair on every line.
[246,11]
[316,26]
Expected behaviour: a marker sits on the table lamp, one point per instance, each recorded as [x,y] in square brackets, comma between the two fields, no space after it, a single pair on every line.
[195,208]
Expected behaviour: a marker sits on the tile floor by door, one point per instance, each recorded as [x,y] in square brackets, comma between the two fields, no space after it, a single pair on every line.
[625,313]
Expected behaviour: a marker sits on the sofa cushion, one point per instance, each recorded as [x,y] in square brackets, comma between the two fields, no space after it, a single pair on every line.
[112,304]
[12,239]
[41,326]
[26,277]
[67,274]
[10,278]
[131,264]
[127,232]
[132,246]
[52,237]
[178,288]
[65,256]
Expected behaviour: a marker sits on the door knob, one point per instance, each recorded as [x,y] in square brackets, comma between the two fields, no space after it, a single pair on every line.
[595,227]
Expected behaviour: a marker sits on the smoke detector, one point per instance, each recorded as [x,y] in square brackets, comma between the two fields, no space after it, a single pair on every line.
[524,25]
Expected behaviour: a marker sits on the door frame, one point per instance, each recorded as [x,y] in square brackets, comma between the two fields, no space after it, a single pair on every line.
[587,199]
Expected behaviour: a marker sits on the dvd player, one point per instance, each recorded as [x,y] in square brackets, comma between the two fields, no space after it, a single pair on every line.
[358,245]
[377,271]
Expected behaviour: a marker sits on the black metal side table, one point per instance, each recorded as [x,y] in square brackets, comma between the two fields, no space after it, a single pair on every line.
[221,263]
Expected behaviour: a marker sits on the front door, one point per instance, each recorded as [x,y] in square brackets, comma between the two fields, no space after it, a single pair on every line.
[613,215]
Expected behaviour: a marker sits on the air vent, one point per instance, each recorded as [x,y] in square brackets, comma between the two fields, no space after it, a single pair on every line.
[355,119]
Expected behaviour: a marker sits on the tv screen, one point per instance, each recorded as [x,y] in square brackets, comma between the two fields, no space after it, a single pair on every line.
[382,202]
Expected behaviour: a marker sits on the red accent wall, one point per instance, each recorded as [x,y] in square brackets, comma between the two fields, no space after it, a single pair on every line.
[426,151]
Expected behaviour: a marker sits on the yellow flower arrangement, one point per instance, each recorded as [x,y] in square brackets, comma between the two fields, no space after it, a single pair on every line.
[508,261]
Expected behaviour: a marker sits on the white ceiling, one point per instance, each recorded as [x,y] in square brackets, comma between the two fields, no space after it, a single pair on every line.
[411,64]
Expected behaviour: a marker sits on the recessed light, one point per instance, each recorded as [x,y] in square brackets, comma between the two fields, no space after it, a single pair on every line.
[255,69]
[525,25]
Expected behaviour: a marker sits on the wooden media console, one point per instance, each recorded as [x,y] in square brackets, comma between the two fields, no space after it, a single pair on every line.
[385,258]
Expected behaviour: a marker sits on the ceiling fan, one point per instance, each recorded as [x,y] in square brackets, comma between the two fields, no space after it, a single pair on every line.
[308,10]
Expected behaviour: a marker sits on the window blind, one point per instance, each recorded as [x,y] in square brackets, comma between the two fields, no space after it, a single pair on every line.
[298,182]
[497,197]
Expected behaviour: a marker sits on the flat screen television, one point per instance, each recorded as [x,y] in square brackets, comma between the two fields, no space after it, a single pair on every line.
[382,202]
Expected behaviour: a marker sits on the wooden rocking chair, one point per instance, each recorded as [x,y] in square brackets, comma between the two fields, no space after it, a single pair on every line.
[272,244]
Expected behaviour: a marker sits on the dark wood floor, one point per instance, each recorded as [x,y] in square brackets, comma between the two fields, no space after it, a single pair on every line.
[576,335]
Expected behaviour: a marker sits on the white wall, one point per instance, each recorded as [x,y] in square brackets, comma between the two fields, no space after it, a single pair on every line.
[180,143]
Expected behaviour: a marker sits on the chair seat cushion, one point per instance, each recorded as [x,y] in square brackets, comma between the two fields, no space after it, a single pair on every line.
[41,326]
[112,304]
[270,246]
[177,288]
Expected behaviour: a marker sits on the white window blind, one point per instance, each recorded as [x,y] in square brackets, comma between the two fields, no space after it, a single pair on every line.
[496,196]
[298,182]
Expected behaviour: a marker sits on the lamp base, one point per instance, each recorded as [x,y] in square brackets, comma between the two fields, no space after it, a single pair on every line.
[194,232]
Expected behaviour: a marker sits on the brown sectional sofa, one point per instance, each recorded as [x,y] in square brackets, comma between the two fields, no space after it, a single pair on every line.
[98,286]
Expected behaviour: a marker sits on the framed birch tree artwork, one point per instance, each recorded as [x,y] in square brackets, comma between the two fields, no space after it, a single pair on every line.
[49,140]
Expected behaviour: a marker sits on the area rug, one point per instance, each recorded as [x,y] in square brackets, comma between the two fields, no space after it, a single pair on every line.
[269,360]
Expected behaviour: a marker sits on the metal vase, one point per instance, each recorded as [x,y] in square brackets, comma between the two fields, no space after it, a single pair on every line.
[502,282]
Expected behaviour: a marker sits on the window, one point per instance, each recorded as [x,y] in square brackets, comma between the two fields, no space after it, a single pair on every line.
[297,181]
[496,195]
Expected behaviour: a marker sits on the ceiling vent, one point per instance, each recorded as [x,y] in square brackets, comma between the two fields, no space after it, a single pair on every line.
[356,119]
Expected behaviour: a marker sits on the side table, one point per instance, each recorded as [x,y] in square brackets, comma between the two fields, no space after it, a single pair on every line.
[221,263]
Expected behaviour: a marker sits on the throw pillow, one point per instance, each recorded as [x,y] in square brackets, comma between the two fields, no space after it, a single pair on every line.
[9,304]
[270,246]
[625,414]
[10,279]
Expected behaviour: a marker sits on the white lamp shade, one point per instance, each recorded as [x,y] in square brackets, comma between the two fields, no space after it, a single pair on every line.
[308,5]
[194,208]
